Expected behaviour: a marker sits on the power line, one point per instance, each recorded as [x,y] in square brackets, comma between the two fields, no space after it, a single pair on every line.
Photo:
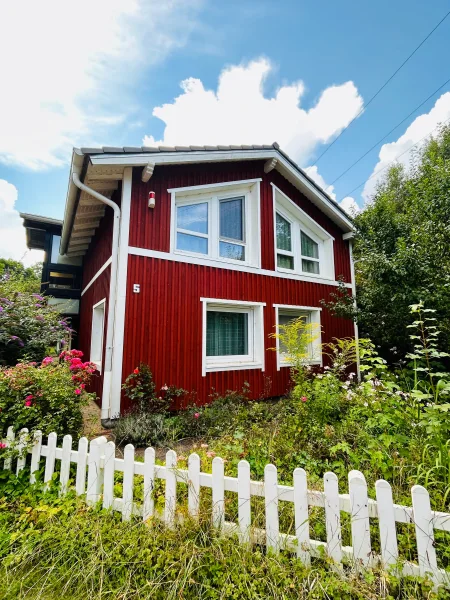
[366,104]
[396,158]
[388,134]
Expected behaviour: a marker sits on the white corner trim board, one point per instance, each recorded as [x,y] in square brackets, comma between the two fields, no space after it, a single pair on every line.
[209,262]
[99,272]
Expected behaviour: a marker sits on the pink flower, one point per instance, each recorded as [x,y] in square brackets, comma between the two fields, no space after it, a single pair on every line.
[210,454]
[196,416]
[27,402]
[2,445]
[203,445]
[78,391]
[164,387]
[82,386]
[136,371]
[303,398]
[30,397]
[47,360]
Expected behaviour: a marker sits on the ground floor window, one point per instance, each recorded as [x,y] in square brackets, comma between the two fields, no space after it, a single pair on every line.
[97,328]
[233,336]
[285,314]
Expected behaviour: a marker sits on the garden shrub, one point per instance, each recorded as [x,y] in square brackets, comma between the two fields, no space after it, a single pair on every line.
[47,396]
[29,327]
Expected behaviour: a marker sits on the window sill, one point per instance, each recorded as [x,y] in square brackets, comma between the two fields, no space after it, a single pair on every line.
[213,367]
[302,274]
[316,362]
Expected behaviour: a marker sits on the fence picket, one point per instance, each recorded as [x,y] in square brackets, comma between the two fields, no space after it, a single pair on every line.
[9,441]
[50,460]
[271,506]
[128,482]
[332,517]
[244,501]
[171,488]
[95,472]
[108,475]
[194,485]
[301,516]
[21,448]
[80,482]
[149,484]
[423,521]
[35,455]
[386,521]
[65,464]
[218,492]
[360,523]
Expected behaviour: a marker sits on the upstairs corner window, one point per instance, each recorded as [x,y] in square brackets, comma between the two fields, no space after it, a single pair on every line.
[231,228]
[285,255]
[56,240]
[302,245]
[192,228]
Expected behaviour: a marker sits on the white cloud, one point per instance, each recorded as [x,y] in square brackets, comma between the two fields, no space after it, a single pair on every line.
[62,66]
[348,203]
[239,112]
[420,128]
[12,233]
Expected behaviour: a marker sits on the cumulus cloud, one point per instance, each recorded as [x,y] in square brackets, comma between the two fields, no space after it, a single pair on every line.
[238,112]
[415,135]
[61,69]
[348,203]
[12,233]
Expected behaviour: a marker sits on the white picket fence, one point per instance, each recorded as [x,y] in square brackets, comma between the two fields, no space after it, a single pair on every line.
[98,460]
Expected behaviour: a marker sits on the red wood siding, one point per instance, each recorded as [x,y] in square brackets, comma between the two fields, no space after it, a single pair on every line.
[100,247]
[163,323]
[97,291]
[151,228]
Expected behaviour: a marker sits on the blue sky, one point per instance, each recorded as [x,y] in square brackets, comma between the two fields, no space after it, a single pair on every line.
[96,78]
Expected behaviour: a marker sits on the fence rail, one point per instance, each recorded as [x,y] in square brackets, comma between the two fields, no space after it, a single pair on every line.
[96,464]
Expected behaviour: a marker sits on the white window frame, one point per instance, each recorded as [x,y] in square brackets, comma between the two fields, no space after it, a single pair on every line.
[313,318]
[300,221]
[97,335]
[213,194]
[254,359]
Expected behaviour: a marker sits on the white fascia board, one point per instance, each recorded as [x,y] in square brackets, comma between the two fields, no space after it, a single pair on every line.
[173,158]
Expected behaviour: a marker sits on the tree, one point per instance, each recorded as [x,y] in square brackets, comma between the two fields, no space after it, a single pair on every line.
[15,277]
[402,249]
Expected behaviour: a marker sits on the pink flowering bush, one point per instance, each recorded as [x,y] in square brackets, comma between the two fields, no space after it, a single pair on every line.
[47,395]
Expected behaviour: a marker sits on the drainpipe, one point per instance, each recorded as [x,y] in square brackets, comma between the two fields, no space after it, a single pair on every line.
[107,371]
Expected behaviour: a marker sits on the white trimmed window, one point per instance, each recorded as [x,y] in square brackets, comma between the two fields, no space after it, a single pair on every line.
[218,222]
[233,335]
[302,246]
[97,328]
[285,314]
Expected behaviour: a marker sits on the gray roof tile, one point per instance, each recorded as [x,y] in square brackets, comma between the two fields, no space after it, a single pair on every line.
[132,149]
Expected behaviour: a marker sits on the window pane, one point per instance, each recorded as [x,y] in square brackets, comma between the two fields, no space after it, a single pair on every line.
[233,251]
[310,266]
[283,228]
[226,333]
[193,217]
[285,262]
[309,247]
[232,219]
[192,243]
[56,239]
[285,320]
[61,281]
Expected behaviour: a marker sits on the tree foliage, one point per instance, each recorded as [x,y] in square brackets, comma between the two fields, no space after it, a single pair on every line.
[15,277]
[402,249]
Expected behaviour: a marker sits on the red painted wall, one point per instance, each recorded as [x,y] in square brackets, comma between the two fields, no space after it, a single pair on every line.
[151,228]
[163,325]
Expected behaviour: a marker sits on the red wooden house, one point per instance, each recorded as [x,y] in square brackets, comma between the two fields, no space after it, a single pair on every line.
[190,258]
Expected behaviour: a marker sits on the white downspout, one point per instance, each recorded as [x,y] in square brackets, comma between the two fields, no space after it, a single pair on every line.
[107,371]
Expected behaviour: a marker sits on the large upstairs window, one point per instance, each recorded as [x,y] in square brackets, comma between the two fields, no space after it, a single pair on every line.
[218,222]
[301,245]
